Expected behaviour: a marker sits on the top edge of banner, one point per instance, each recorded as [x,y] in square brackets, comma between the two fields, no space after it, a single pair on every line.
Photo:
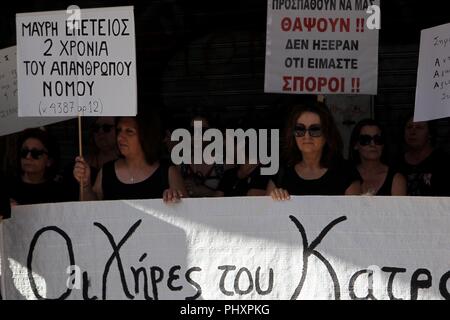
[88,10]
[434,27]
[8,48]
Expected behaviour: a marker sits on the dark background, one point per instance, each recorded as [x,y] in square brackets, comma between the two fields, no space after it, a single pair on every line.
[208,56]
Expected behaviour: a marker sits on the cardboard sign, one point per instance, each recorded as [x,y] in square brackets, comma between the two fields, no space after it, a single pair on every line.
[240,248]
[321,47]
[9,120]
[82,63]
[433,76]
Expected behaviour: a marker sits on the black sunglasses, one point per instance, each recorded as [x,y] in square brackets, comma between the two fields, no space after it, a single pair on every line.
[35,153]
[314,130]
[365,139]
[106,128]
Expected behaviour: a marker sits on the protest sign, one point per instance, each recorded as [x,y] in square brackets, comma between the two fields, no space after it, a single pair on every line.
[77,64]
[321,47]
[433,75]
[9,120]
[240,248]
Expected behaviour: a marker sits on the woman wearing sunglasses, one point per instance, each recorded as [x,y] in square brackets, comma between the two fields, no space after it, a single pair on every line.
[312,149]
[138,173]
[367,151]
[35,183]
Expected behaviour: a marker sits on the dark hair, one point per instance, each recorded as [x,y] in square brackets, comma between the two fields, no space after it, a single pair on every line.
[150,135]
[49,144]
[354,154]
[333,147]
[432,128]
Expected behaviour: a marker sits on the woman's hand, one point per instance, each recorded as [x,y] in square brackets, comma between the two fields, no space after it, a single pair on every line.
[82,172]
[279,194]
[172,196]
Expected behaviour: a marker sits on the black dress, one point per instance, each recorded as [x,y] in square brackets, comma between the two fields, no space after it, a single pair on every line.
[151,188]
[431,177]
[386,188]
[334,182]
[27,193]
[232,186]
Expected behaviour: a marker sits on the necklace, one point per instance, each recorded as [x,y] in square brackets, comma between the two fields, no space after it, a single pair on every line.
[131,179]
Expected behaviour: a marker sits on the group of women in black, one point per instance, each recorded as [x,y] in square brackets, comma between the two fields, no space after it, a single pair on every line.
[125,162]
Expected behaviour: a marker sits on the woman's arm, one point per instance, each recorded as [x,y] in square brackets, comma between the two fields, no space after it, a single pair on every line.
[176,189]
[354,189]
[277,194]
[399,186]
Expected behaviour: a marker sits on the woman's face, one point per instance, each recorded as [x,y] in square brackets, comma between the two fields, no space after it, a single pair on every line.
[34,157]
[128,138]
[370,143]
[417,134]
[105,133]
[309,134]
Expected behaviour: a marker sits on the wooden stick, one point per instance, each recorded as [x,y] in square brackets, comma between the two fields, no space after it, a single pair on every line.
[80,146]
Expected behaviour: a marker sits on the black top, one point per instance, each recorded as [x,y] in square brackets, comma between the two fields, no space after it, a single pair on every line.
[151,188]
[386,188]
[27,193]
[334,182]
[232,186]
[431,177]
[70,186]
[5,210]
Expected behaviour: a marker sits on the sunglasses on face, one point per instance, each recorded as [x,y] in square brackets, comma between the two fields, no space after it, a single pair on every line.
[106,128]
[35,153]
[314,130]
[365,140]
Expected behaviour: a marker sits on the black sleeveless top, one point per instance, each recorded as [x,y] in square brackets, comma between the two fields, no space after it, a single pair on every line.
[151,188]
[386,188]
[334,182]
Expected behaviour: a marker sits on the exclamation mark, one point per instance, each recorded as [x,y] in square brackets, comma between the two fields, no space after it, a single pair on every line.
[359,24]
[356,83]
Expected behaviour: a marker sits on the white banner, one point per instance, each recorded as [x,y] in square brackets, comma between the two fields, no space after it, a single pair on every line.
[242,248]
[77,62]
[433,75]
[321,47]
[9,121]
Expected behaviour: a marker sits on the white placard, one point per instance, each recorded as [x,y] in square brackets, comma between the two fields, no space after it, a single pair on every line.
[9,121]
[320,47]
[85,66]
[433,75]
[240,248]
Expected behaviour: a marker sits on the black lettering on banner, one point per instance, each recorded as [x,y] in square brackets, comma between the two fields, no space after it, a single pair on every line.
[173,277]
[443,286]
[236,282]
[136,273]
[257,282]
[86,285]
[156,276]
[393,272]
[192,282]
[116,256]
[309,250]
[417,284]
[226,268]
[30,260]
[351,286]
